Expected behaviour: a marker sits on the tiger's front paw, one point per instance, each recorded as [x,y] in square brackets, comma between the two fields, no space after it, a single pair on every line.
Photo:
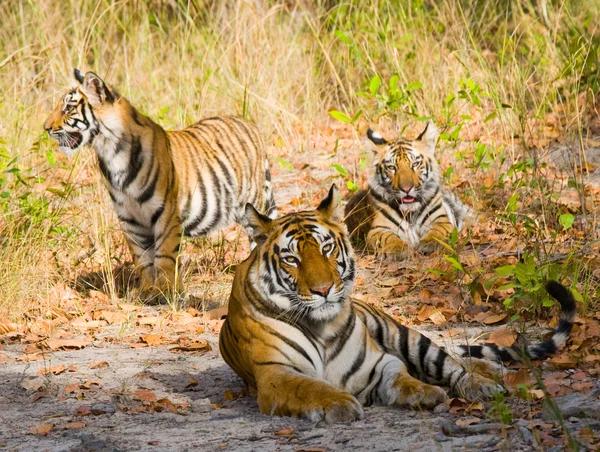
[342,407]
[429,246]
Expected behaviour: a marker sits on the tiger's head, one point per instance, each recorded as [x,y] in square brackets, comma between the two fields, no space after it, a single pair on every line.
[305,265]
[407,172]
[77,119]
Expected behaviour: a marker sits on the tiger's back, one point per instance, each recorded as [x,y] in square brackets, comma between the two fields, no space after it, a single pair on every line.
[221,166]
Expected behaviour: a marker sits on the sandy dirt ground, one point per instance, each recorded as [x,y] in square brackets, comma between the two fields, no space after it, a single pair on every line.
[120,405]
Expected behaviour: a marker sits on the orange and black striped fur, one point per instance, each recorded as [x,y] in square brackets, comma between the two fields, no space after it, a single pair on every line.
[164,183]
[299,342]
[405,206]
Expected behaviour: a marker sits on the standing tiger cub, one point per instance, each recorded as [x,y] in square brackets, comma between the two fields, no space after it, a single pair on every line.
[306,349]
[164,183]
[405,206]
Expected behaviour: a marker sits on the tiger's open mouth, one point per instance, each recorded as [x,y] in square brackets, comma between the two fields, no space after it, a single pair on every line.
[408,200]
[68,140]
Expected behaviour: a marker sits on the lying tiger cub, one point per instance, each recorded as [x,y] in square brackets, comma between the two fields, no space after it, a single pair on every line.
[405,206]
[299,342]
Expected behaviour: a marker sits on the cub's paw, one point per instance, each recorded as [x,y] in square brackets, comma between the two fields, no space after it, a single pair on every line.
[477,387]
[342,407]
[416,394]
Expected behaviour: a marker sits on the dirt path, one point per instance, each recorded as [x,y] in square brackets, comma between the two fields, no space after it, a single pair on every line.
[125,393]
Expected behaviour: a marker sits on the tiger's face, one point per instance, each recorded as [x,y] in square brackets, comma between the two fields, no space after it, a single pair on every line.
[306,267]
[74,123]
[407,171]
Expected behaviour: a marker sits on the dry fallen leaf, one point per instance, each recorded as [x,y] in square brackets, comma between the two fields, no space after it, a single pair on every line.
[73,425]
[164,405]
[285,432]
[520,377]
[68,389]
[200,346]
[83,410]
[155,339]
[451,333]
[503,337]
[145,395]
[489,317]
[536,394]
[56,370]
[563,361]
[98,365]
[87,384]
[425,312]
[468,421]
[229,395]
[66,344]
[34,384]
[42,429]
[191,382]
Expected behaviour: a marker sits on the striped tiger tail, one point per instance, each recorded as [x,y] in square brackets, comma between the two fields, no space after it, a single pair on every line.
[538,350]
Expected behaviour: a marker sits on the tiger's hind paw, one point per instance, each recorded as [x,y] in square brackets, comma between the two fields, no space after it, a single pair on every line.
[478,387]
[416,394]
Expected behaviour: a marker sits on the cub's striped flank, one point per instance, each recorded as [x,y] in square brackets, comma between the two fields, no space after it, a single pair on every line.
[164,184]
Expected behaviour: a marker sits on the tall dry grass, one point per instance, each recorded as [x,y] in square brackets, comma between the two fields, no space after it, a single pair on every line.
[282,63]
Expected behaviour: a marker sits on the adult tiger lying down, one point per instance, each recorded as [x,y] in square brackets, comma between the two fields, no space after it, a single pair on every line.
[164,183]
[298,341]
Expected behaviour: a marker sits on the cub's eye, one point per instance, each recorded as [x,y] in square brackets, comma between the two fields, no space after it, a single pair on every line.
[327,248]
[415,165]
[291,260]
[390,168]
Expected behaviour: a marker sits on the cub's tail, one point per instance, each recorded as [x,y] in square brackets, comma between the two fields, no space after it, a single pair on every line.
[270,206]
[539,350]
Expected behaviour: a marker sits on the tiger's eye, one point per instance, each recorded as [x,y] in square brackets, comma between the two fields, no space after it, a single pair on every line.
[291,260]
[327,248]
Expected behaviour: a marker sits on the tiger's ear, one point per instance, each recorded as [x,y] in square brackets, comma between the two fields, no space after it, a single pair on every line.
[259,224]
[376,138]
[429,137]
[78,75]
[95,89]
[331,206]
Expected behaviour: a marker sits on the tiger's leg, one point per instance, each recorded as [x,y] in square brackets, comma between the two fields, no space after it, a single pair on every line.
[384,242]
[439,230]
[285,392]
[397,386]
[167,236]
[423,359]
[141,246]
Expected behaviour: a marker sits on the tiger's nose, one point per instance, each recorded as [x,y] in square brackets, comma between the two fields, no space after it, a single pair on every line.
[48,126]
[406,188]
[322,290]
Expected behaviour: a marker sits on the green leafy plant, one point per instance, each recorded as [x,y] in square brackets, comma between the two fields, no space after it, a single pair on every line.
[500,410]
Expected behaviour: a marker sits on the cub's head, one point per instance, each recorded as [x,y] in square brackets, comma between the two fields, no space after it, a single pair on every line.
[305,266]
[77,118]
[407,171]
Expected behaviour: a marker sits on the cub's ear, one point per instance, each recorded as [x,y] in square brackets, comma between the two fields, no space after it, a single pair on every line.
[78,75]
[429,137]
[257,224]
[331,206]
[376,138]
[95,89]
